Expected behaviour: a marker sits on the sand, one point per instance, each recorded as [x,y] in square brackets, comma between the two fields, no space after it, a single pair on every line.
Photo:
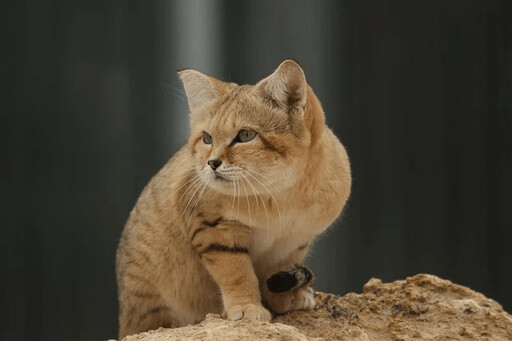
[422,307]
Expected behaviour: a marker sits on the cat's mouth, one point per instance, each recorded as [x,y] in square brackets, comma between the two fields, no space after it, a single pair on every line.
[220,177]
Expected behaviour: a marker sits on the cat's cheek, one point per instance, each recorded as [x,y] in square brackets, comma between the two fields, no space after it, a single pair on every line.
[201,158]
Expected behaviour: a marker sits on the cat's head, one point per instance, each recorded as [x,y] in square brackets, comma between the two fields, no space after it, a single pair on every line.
[252,138]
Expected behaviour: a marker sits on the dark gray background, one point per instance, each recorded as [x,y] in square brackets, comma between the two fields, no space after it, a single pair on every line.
[418,91]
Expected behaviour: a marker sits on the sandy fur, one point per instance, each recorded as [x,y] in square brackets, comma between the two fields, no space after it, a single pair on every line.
[194,244]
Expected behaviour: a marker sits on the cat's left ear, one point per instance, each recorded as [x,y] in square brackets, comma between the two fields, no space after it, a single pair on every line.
[286,88]
[202,90]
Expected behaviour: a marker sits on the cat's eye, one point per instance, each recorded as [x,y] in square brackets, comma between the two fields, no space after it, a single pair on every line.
[245,135]
[207,138]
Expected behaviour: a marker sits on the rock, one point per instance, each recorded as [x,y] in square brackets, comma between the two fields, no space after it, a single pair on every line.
[422,307]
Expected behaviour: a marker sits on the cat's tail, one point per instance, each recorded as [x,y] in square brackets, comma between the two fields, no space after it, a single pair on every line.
[289,279]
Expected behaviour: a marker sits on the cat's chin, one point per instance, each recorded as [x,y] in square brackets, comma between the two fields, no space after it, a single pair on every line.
[221,185]
[221,178]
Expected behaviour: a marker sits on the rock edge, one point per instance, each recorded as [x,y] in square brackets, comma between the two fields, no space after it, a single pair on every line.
[421,307]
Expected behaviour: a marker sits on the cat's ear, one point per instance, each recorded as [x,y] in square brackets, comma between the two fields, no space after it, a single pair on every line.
[286,88]
[202,90]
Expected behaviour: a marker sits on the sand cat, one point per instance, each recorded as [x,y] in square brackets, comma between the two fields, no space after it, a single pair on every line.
[225,225]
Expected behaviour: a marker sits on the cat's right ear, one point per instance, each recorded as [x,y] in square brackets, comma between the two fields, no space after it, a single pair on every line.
[202,90]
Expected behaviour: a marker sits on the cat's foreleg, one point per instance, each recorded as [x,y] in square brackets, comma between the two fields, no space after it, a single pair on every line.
[287,285]
[223,249]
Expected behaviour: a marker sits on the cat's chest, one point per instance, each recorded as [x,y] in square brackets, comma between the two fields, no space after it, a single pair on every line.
[283,234]
[278,227]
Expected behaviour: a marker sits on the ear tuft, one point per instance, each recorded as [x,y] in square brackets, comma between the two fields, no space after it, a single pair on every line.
[201,90]
[286,88]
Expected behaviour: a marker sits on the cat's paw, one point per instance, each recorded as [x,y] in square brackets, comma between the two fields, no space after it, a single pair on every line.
[296,299]
[248,311]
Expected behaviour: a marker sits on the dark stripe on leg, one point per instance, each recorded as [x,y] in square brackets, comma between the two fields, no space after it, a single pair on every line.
[201,229]
[141,294]
[224,248]
[154,310]
[207,224]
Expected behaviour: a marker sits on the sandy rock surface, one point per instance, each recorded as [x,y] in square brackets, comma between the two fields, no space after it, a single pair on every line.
[422,307]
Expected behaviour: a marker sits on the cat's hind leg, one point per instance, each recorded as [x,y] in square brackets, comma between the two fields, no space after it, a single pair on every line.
[144,311]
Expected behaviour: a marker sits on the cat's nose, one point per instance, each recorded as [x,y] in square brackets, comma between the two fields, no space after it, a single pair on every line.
[214,163]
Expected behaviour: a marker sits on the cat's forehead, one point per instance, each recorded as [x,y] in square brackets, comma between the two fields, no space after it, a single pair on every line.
[237,105]
[238,96]
[240,109]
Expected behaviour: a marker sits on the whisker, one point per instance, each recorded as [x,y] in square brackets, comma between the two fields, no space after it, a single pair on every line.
[191,184]
[263,176]
[191,190]
[198,193]
[238,200]
[187,174]
[196,204]
[273,198]
[248,204]
[196,188]
[233,200]
[262,202]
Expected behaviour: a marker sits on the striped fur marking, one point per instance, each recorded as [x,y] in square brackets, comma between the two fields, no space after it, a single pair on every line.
[224,248]
[154,310]
[206,225]
[303,246]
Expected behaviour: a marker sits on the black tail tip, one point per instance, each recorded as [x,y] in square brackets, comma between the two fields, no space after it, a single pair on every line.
[294,277]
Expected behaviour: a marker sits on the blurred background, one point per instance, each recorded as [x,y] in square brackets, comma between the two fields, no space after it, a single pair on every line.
[418,91]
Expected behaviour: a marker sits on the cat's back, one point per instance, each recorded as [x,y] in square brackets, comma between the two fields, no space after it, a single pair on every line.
[154,217]
[157,198]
